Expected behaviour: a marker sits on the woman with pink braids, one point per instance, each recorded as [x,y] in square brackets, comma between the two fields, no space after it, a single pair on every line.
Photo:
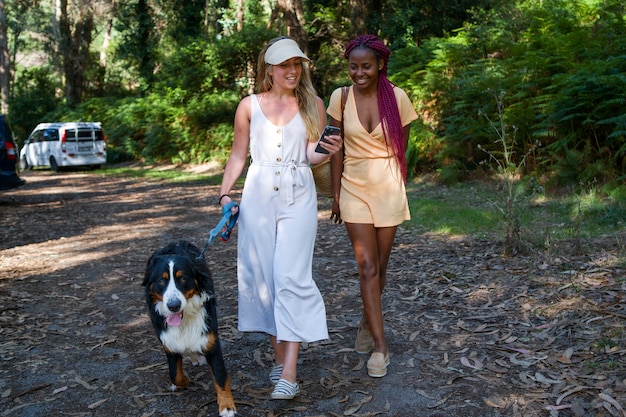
[368,177]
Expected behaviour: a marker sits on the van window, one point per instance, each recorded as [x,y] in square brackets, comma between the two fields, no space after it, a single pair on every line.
[83,135]
[50,135]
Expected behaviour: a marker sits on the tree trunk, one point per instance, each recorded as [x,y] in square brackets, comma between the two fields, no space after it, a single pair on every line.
[4,61]
[292,13]
[359,11]
[74,48]
[107,36]
[240,15]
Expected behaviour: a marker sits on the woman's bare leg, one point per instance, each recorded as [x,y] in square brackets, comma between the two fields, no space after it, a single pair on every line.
[286,353]
[372,248]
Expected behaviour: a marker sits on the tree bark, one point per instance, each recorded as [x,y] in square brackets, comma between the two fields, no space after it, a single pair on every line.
[73,47]
[4,61]
[359,11]
[292,13]
[240,15]
[107,36]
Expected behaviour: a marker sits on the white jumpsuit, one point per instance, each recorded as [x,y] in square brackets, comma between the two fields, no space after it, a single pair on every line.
[276,235]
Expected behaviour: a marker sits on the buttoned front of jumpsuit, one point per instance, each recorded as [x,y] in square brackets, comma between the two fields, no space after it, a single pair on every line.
[276,235]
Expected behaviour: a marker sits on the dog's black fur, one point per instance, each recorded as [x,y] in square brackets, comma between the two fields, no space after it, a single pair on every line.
[183,310]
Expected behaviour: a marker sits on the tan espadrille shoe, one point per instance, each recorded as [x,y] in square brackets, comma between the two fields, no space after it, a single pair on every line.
[377,365]
[364,342]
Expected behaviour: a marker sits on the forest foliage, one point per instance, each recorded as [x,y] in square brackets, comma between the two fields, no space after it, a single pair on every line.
[165,77]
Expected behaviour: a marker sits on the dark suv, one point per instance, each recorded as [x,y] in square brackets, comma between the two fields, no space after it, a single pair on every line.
[8,158]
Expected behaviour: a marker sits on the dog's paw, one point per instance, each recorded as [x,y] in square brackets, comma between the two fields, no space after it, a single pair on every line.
[198,360]
[174,388]
[228,412]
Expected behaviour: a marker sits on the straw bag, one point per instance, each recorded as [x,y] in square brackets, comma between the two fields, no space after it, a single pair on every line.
[321,172]
[321,175]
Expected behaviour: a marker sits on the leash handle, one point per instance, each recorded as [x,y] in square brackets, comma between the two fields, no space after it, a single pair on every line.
[225,225]
[232,220]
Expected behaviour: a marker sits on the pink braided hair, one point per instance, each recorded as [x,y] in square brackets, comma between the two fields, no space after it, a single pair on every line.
[387,104]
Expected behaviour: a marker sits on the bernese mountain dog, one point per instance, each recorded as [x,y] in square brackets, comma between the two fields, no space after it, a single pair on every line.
[183,311]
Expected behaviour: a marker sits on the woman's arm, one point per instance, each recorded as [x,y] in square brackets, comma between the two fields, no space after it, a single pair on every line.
[336,170]
[332,147]
[407,132]
[239,151]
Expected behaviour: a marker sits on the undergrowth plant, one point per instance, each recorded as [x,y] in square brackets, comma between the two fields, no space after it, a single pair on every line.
[509,170]
[578,216]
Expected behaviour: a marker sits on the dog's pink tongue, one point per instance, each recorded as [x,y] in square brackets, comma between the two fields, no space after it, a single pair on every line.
[174,319]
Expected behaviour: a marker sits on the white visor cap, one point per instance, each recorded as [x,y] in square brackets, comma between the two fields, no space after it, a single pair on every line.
[282,50]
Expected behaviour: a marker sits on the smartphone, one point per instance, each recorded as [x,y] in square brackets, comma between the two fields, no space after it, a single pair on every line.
[328,130]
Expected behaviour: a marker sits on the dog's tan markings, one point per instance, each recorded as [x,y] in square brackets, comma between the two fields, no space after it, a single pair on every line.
[191,293]
[225,399]
[165,275]
[181,378]
[179,274]
[210,343]
[155,296]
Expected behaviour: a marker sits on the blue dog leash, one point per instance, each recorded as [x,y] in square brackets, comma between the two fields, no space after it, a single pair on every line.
[225,225]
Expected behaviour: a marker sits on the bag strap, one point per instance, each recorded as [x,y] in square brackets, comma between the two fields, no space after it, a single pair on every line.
[344,98]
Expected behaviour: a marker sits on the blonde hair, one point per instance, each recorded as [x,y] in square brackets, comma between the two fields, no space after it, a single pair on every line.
[306,96]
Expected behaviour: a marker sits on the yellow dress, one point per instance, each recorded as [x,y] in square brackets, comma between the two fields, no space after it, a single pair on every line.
[372,188]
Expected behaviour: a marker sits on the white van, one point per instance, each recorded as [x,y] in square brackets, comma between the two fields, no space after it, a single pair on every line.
[63,144]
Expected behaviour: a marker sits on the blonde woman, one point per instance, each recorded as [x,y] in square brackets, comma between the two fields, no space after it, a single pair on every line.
[280,126]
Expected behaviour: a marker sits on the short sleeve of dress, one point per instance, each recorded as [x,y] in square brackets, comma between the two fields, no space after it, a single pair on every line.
[407,112]
[334,105]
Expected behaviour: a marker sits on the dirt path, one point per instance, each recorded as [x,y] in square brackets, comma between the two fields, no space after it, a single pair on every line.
[470,333]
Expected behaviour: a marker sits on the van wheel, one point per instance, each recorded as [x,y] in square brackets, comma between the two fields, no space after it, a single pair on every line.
[53,164]
[24,164]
